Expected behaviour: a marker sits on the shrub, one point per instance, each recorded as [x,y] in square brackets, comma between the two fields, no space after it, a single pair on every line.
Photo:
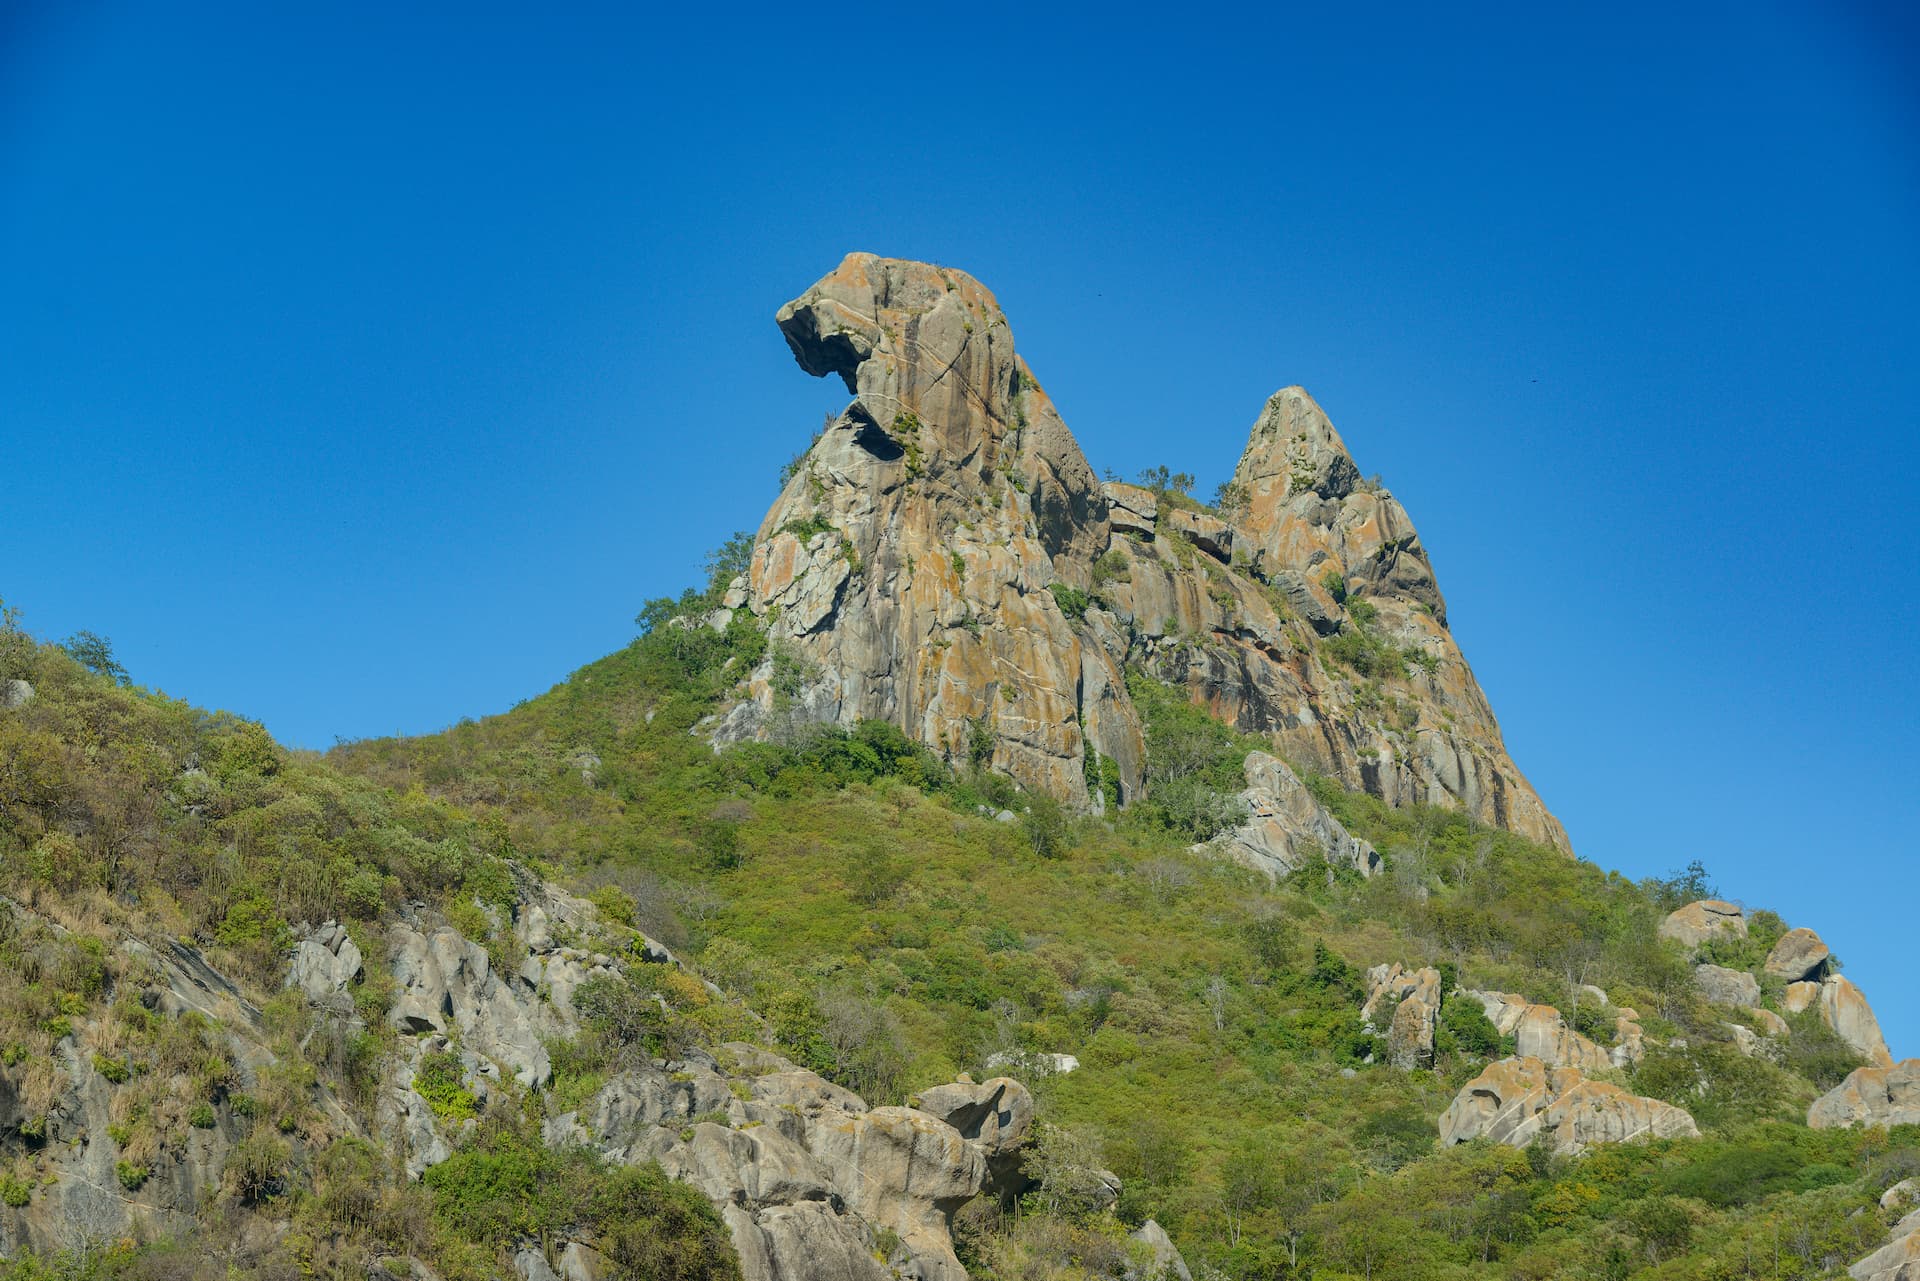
[441,1082]
[1072,601]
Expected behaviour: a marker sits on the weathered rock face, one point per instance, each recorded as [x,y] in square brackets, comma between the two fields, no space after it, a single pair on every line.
[1844,1008]
[1415,997]
[1517,1100]
[1702,920]
[1723,986]
[1798,955]
[1540,1032]
[910,561]
[1287,828]
[1873,1095]
[997,1115]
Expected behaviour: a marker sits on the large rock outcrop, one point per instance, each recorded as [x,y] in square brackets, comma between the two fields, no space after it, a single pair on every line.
[943,558]
[1884,1096]
[1518,1100]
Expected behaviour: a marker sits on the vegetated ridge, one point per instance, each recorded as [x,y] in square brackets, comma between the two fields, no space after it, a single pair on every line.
[990,872]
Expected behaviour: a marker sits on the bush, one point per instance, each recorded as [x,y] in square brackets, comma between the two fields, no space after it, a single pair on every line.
[440,1080]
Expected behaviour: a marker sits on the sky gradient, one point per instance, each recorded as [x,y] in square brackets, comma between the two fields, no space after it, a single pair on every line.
[362,372]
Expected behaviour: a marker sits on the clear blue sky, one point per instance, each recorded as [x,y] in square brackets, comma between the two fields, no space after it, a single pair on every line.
[364,370]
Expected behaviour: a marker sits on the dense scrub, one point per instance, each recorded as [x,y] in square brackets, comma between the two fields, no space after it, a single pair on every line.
[848,889]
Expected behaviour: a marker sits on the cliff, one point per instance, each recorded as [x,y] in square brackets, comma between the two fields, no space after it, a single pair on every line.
[943,558]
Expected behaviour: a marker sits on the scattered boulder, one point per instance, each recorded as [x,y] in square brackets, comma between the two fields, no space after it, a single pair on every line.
[1630,1039]
[15,693]
[1798,955]
[1701,920]
[1287,829]
[1410,1031]
[1883,1096]
[1723,986]
[1038,1063]
[1504,1009]
[325,962]
[1165,1263]
[1539,1032]
[1517,1100]
[1770,1023]
[1901,1195]
[1745,1039]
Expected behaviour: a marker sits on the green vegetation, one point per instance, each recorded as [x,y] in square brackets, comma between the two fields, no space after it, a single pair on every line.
[857,912]
[1072,601]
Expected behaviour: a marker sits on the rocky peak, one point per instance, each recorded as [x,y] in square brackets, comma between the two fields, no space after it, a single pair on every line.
[943,558]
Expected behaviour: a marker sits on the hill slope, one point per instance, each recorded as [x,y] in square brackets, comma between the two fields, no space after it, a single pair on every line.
[1053,951]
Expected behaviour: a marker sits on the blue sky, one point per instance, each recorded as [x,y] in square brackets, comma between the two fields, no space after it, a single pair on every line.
[361,372]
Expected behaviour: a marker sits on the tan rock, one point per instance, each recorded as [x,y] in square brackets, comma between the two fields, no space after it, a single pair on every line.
[1800,996]
[1130,508]
[1798,955]
[1519,1099]
[909,564]
[1770,1023]
[1542,1034]
[997,1115]
[1506,1010]
[1843,1007]
[1701,920]
[1883,1096]
[1209,533]
[1897,1260]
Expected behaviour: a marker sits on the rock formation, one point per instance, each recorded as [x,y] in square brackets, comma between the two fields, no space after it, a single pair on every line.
[1287,829]
[1898,1259]
[1723,986]
[1702,920]
[1519,1099]
[1799,954]
[943,558]
[1842,1007]
[1884,1096]
[1414,996]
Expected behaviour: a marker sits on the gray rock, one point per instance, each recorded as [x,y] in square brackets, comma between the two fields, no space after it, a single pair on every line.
[1723,986]
[15,693]
[1701,920]
[325,963]
[1165,1263]
[1286,828]
[997,1115]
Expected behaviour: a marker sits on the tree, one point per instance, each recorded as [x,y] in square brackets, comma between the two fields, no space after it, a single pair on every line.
[95,653]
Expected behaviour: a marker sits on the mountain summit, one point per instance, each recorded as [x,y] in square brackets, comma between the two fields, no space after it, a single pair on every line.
[944,558]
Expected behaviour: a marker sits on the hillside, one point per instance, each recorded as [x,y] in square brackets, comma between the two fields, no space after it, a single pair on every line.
[989,872]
